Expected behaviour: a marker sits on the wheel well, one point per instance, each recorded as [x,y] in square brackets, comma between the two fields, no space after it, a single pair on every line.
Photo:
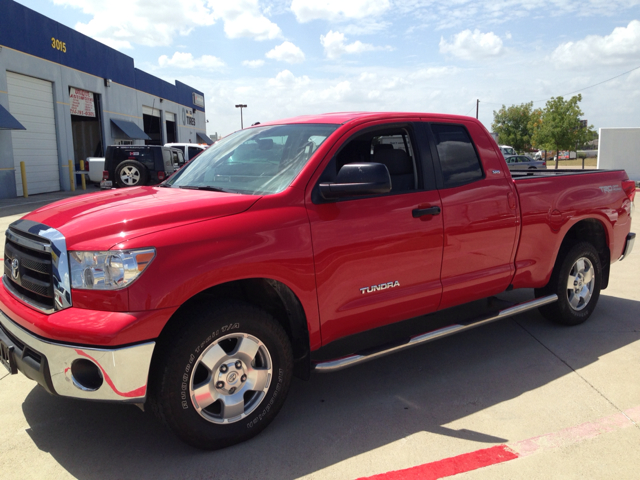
[270,295]
[591,231]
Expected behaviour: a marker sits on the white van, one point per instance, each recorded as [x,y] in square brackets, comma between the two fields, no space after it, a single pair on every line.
[190,150]
[507,150]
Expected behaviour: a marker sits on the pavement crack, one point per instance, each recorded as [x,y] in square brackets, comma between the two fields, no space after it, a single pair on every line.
[633,422]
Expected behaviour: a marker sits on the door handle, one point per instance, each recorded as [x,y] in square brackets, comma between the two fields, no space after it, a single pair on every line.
[419,212]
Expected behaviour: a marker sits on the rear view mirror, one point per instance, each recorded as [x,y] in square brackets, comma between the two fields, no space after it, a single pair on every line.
[358,179]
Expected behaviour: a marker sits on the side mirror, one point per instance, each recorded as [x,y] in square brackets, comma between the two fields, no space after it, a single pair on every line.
[358,179]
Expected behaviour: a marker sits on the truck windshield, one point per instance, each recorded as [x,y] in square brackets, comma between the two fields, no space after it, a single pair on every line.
[255,161]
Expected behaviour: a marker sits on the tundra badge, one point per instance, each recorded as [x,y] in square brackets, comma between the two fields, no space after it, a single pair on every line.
[382,286]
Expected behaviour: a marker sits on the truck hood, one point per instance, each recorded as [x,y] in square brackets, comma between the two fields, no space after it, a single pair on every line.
[99,221]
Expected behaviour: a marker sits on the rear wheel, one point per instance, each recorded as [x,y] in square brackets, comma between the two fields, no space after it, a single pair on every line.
[224,379]
[131,174]
[576,279]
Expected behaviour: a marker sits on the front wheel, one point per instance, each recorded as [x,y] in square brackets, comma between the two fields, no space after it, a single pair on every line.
[224,379]
[576,279]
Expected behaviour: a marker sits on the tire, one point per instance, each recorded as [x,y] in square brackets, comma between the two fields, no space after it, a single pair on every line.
[576,279]
[131,174]
[224,377]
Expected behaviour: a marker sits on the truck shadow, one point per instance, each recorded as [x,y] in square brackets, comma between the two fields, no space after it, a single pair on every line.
[338,416]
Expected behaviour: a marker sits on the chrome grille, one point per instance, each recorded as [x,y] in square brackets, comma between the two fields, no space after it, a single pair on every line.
[33,279]
[35,266]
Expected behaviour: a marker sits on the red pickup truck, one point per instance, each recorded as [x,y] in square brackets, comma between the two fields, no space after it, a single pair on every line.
[317,242]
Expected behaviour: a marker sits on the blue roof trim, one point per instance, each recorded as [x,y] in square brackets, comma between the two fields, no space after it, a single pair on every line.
[8,121]
[130,129]
[204,138]
[30,32]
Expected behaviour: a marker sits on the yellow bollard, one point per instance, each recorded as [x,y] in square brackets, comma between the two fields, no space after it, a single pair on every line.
[23,174]
[84,182]
[72,181]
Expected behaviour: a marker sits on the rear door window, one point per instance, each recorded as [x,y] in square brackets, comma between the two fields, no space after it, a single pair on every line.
[459,161]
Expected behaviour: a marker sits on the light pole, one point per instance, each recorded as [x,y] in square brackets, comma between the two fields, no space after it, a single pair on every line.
[241,106]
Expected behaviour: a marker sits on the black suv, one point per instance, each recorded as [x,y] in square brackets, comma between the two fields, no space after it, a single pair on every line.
[136,165]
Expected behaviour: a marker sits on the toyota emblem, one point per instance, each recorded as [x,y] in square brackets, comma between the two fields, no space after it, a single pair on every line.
[14,268]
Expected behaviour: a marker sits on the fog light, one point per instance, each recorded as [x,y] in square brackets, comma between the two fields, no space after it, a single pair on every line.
[86,375]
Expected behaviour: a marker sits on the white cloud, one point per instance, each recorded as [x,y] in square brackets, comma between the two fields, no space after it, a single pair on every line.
[335,46]
[186,60]
[366,27]
[123,23]
[286,52]
[474,45]
[244,19]
[287,79]
[433,73]
[484,13]
[336,10]
[620,47]
[253,63]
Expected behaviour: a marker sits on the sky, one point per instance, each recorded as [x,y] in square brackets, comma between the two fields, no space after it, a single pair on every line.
[284,58]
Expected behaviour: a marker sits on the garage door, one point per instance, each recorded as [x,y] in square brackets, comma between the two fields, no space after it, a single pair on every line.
[31,102]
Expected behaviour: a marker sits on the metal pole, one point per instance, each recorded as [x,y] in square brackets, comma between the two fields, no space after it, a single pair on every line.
[477,107]
[84,182]
[23,174]
[241,106]
[72,180]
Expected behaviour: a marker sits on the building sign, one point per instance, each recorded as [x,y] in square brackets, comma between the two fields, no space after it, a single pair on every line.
[198,100]
[187,117]
[81,103]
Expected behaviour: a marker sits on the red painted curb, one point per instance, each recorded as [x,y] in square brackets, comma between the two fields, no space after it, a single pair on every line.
[451,466]
[503,453]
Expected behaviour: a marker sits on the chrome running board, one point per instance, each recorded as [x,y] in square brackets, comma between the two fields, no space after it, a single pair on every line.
[355,359]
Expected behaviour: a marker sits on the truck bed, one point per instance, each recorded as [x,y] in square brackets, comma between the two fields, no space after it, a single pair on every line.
[552,202]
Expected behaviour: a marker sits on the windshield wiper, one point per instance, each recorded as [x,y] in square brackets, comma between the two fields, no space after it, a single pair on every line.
[207,188]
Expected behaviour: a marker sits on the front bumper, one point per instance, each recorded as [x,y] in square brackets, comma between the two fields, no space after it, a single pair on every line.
[113,374]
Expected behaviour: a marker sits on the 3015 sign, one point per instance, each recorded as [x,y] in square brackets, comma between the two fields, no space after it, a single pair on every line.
[58,45]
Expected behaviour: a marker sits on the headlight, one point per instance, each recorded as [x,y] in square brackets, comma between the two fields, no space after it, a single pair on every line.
[108,270]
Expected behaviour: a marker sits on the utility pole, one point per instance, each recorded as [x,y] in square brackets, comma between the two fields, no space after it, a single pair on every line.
[477,108]
[241,106]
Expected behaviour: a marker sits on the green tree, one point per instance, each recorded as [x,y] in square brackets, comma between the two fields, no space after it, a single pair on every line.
[512,124]
[558,126]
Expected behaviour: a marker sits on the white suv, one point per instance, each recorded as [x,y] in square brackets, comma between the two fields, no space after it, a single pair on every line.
[507,150]
[190,150]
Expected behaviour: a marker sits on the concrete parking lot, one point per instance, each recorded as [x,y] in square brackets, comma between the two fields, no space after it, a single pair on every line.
[563,402]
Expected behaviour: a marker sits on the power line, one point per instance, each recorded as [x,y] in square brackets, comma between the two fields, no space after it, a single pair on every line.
[594,85]
[577,91]
[470,110]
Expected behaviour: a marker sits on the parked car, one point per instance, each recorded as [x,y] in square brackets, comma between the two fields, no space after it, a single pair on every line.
[523,162]
[309,244]
[137,165]
[189,150]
